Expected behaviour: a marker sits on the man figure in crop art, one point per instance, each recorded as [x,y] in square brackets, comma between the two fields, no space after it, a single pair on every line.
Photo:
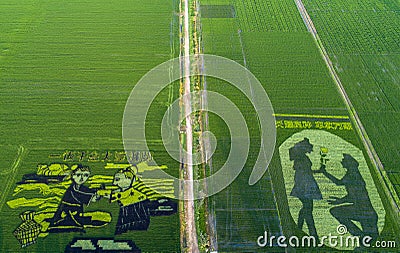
[69,216]
[137,202]
[356,205]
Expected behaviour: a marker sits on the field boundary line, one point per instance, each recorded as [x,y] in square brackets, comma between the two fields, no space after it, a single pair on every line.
[378,166]
[12,174]
[258,123]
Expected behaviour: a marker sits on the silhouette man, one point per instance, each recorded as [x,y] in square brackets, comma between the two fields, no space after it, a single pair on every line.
[356,205]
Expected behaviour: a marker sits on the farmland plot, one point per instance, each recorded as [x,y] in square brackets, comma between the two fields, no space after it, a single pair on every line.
[270,39]
[362,39]
[66,70]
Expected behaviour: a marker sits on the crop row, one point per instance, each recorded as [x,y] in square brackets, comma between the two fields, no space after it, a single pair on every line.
[363,40]
[268,15]
[347,29]
[67,69]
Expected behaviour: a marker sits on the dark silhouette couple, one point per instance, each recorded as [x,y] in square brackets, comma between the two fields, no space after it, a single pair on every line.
[355,206]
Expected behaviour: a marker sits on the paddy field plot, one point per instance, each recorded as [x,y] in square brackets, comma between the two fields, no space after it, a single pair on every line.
[362,40]
[68,67]
[66,71]
[270,38]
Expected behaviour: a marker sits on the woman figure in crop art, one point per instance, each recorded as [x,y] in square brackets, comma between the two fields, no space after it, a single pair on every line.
[305,187]
[69,216]
[137,202]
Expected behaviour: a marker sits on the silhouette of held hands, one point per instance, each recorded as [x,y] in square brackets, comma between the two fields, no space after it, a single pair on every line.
[334,200]
[95,197]
[322,169]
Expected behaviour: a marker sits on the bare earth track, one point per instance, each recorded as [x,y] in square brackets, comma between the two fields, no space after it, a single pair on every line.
[189,219]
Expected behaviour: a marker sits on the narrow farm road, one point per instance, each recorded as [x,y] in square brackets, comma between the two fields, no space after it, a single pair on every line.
[189,209]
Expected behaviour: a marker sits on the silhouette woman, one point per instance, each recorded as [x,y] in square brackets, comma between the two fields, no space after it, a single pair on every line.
[305,187]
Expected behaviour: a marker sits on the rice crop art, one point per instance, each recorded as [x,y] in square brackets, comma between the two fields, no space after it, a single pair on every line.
[362,39]
[270,38]
[66,70]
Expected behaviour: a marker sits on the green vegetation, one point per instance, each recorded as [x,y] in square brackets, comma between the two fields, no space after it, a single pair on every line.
[68,67]
[66,71]
[269,38]
[362,39]
[71,65]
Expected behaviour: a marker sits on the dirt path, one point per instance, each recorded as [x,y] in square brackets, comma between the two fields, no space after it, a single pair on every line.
[190,234]
[380,170]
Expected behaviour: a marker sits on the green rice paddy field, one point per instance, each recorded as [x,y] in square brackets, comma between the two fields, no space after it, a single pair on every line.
[68,67]
[66,71]
[270,38]
[362,39]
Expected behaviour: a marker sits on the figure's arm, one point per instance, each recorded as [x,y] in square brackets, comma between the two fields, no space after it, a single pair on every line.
[346,199]
[113,196]
[80,198]
[85,195]
[337,201]
[107,191]
[94,198]
[331,177]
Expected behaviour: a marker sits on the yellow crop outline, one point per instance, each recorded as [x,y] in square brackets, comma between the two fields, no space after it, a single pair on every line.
[312,116]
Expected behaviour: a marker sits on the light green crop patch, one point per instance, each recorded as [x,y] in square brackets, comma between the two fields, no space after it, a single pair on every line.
[329,149]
